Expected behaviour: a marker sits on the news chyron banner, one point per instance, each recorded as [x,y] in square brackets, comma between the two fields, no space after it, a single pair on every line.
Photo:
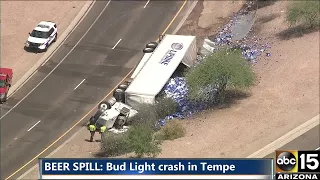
[293,164]
[156,169]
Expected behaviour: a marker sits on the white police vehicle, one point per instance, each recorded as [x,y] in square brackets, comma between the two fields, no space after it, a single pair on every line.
[42,36]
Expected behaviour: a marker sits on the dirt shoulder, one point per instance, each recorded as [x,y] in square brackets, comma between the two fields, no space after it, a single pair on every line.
[285,96]
[18,18]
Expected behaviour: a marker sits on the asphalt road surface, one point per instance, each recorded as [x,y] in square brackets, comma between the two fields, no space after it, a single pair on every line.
[308,141]
[108,51]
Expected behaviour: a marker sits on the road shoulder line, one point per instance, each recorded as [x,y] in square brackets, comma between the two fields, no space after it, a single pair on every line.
[288,137]
[185,17]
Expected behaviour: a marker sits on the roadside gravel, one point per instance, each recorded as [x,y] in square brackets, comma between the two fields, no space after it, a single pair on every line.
[18,18]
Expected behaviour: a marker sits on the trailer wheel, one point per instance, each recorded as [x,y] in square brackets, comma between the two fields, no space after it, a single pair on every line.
[123,86]
[152,45]
[128,82]
[119,95]
[148,50]
[104,105]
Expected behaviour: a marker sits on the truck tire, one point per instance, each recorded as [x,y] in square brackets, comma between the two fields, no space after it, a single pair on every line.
[5,98]
[123,86]
[120,122]
[44,50]
[148,50]
[119,95]
[152,45]
[95,117]
[104,105]
[55,38]
[128,82]
[93,120]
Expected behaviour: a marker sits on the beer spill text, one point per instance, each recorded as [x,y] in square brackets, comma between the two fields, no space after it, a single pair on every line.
[136,167]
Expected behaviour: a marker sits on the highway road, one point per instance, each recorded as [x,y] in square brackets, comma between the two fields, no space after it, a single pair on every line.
[308,141]
[98,54]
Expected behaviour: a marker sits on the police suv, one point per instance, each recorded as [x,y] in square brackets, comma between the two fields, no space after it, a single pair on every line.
[42,36]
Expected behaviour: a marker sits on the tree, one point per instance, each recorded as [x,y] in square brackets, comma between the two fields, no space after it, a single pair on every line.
[305,13]
[223,69]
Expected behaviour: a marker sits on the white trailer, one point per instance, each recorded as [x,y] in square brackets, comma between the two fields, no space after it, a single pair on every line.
[141,64]
[152,73]
[156,69]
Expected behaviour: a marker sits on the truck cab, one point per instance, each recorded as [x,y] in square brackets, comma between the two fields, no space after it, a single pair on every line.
[6,75]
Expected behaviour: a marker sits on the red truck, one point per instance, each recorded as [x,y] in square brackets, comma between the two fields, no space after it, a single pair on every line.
[6,75]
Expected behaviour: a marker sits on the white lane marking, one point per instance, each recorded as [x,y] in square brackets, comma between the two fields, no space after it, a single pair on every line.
[79,84]
[318,149]
[59,62]
[116,44]
[146,4]
[34,125]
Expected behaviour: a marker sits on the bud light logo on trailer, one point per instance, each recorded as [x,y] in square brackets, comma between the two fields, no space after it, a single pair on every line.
[171,53]
[176,46]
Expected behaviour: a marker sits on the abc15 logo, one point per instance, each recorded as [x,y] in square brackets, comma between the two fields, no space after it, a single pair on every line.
[293,161]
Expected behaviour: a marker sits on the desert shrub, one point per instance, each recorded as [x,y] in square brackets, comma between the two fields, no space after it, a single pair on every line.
[304,13]
[141,141]
[264,3]
[165,106]
[114,145]
[146,115]
[150,113]
[172,130]
[221,70]
[140,138]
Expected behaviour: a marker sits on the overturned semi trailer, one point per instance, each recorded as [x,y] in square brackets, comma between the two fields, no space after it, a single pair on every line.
[156,68]
[158,64]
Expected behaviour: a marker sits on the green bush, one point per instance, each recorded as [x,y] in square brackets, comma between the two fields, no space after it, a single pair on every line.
[141,141]
[146,115]
[172,130]
[138,139]
[114,145]
[221,70]
[150,113]
[305,13]
[165,106]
